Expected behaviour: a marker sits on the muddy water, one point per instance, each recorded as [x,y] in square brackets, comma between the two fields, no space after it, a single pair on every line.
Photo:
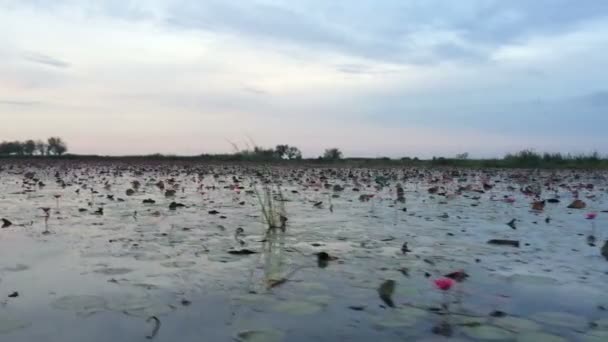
[99,277]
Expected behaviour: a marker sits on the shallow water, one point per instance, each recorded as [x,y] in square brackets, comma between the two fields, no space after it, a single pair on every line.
[101,277]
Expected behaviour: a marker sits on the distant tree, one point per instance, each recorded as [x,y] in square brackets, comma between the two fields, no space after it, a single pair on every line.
[332,154]
[281,151]
[463,156]
[11,148]
[287,152]
[56,146]
[294,153]
[261,153]
[4,148]
[29,147]
[41,147]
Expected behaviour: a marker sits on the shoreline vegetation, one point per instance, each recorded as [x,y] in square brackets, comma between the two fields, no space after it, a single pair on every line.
[55,148]
[521,160]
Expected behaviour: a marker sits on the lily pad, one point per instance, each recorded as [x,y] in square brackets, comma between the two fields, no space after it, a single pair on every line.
[440,339]
[311,286]
[469,321]
[595,336]
[409,311]
[320,299]
[178,264]
[113,271]
[82,305]
[488,332]
[298,307]
[539,337]
[150,257]
[252,298]
[260,336]
[517,324]
[561,319]
[152,309]
[530,279]
[406,291]
[602,323]
[127,302]
[396,320]
[10,324]
[16,268]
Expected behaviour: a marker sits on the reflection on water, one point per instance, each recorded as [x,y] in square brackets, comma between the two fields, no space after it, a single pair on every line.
[274,257]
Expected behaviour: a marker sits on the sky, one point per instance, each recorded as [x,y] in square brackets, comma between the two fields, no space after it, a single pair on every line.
[374,78]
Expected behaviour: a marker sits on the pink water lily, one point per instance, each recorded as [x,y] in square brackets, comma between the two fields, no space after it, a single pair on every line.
[444,284]
[591,216]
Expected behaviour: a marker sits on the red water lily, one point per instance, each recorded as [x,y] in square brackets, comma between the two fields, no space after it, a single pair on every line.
[444,284]
[591,216]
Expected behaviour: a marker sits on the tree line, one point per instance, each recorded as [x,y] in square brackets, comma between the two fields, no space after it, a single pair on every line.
[280,152]
[53,146]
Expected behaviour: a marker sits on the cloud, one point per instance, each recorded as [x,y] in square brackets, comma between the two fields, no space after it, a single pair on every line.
[19,103]
[45,60]
[389,77]
[597,99]
[393,31]
[254,90]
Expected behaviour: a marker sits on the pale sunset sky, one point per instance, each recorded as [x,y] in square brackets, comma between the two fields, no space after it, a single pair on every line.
[373,77]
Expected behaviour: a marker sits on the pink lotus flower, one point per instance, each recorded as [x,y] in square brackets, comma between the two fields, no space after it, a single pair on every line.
[591,216]
[444,284]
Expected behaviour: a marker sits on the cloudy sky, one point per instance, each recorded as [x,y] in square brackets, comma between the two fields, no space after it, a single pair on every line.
[375,78]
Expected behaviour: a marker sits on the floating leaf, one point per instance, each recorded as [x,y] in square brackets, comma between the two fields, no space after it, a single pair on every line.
[312,286]
[10,324]
[17,268]
[127,302]
[320,299]
[395,320]
[469,321]
[532,279]
[298,308]
[252,298]
[517,324]
[602,323]
[260,336]
[596,336]
[409,311]
[152,309]
[82,305]
[561,319]
[178,264]
[113,271]
[406,291]
[488,332]
[151,257]
[539,337]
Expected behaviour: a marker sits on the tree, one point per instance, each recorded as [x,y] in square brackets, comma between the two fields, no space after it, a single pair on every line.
[29,147]
[11,148]
[281,151]
[332,154]
[41,147]
[56,146]
[294,153]
[463,156]
[260,153]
